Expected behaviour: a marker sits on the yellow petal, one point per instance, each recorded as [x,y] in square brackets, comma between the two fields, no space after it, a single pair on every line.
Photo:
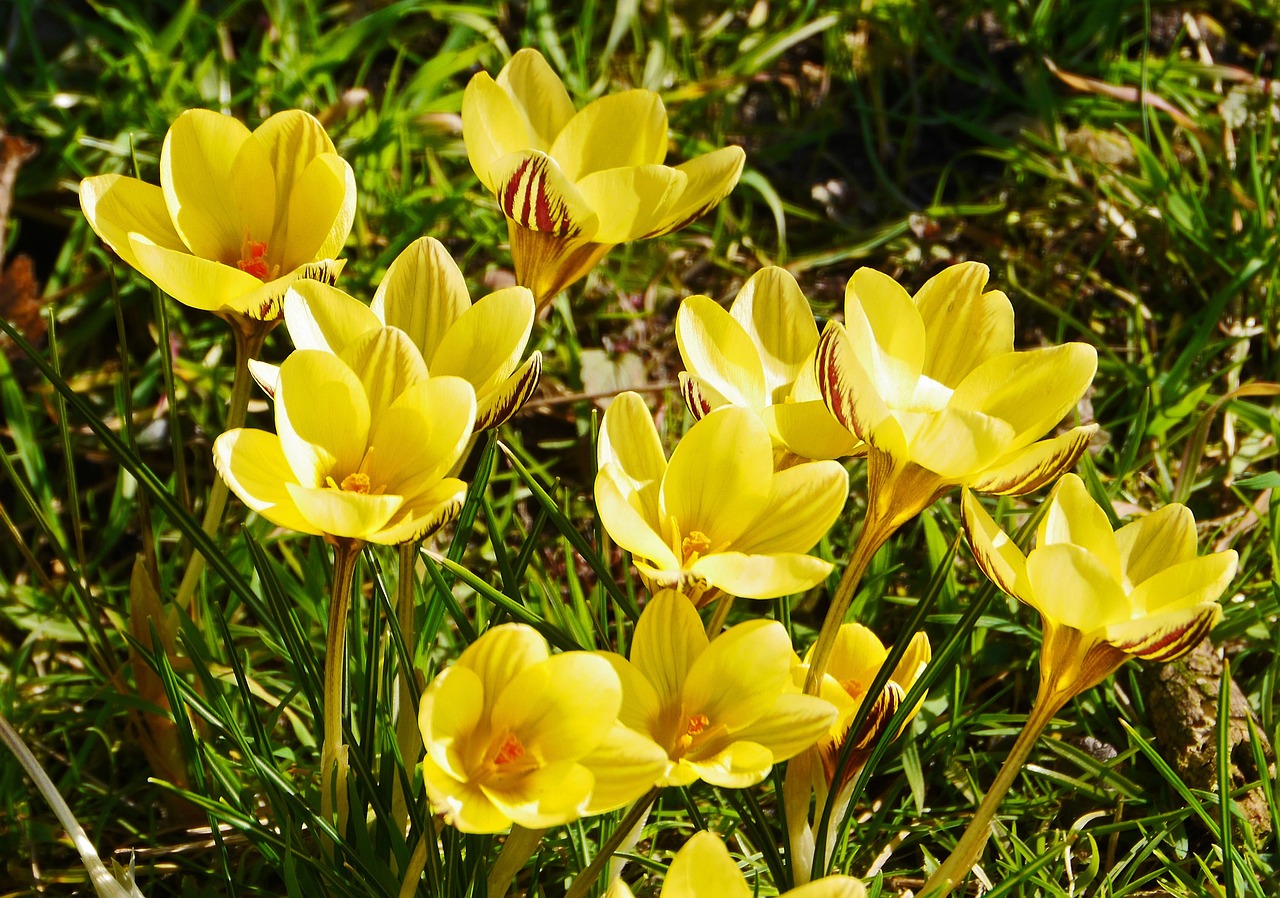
[1031,390]
[703,869]
[387,363]
[1156,541]
[762,576]
[549,796]
[777,319]
[632,201]
[615,131]
[562,708]
[829,887]
[343,512]
[217,183]
[451,708]
[422,514]
[534,193]
[192,280]
[423,293]
[794,723]
[717,481]
[804,501]
[956,443]
[117,206]
[998,556]
[485,343]
[1073,589]
[625,766]
[266,375]
[629,441]
[716,349]
[1073,517]
[293,139]
[540,93]
[498,405]
[740,674]
[856,656]
[434,417]
[620,511]
[736,766]
[913,661]
[465,805]
[1025,470]
[493,126]
[266,301]
[253,464]
[963,326]
[320,211]
[668,640]
[809,430]
[322,317]
[502,654]
[709,179]
[547,263]
[847,388]
[322,416]
[886,335]
[699,396]
[1167,636]
[1199,581]
[641,710]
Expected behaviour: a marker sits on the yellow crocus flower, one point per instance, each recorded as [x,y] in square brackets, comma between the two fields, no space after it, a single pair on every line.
[1104,597]
[759,355]
[703,868]
[514,734]
[573,185]
[424,294]
[723,710]
[364,442]
[238,215]
[717,517]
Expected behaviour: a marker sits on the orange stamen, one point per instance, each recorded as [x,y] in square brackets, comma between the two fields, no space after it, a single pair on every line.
[509,751]
[253,260]
[694,546]
[356,483]
[697,723]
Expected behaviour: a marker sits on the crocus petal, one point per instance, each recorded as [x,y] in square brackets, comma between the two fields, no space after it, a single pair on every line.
[699,396]
[668,640]
[1031,390]
[266,375]
[504,654]
[549,796]
[540,93]
[641,710]
[616,504]
[1156,541]
[886,334]
[1195,582]
[465,806]
[717,480]
[963,326]
[704,869]
[498,405]
[762,576]
[343,512]
[709,179]
[629,441]
[493,126]
[192,280]
[1072,588]
[847,388]
[589,142]
[856,657]
[434,417]
[631,201]
[451,708]
[253,464]
[322,317]
[804,501]
[1167,636]
[794,723]
[776,318]
[1026,470]
[562,708]
[829,887]
[534,193]
[423,514]
[735,680]
[320,211]
[1073,517]
[998,556]
[717,350]
[956,442]
[423,293]
[315,390]
[809,430]
[625,765]
[485,343]
[387,363]
[736,766]
[217,183]
[117,206]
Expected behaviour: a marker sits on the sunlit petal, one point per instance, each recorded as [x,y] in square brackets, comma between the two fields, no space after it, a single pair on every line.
[319,212]
[539,93]
[423,293]
[486,341]
[998,556]
[668,641]
[1199,581]
[1074,589]
[717,350]
[253,464]
[322,317]
[952,303]
[589,141]
[736,678]
[625,765]
[886,335]
[316,389]
[616,504]
[534,193]
[762,576]
[704,869]
[709,179]
[794,723]
[451,707]
[737,766]
[503,654]
[343,512]
[776,318]
[1025,470]
[1156,541]
[1073,517]
[493,126]
[117,206]
[387,363]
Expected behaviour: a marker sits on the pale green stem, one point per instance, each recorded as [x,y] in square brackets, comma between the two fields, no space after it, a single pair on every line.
[719,615]
[586,879]
[516,851]
[969,849]
[248,341]
[408,739]
[418,862]
[345,552]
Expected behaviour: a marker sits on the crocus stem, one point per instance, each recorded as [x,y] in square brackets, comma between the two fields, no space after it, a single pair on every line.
[967,851]
[249,338]
[582,884]
[345,552]
[408,739]
[519,847]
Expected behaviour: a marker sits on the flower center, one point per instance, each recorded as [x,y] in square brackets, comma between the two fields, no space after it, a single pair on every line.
[853,686]
[510,749]
[695,726]
[355,483]
[359,480]
[253,259]
[694,546]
